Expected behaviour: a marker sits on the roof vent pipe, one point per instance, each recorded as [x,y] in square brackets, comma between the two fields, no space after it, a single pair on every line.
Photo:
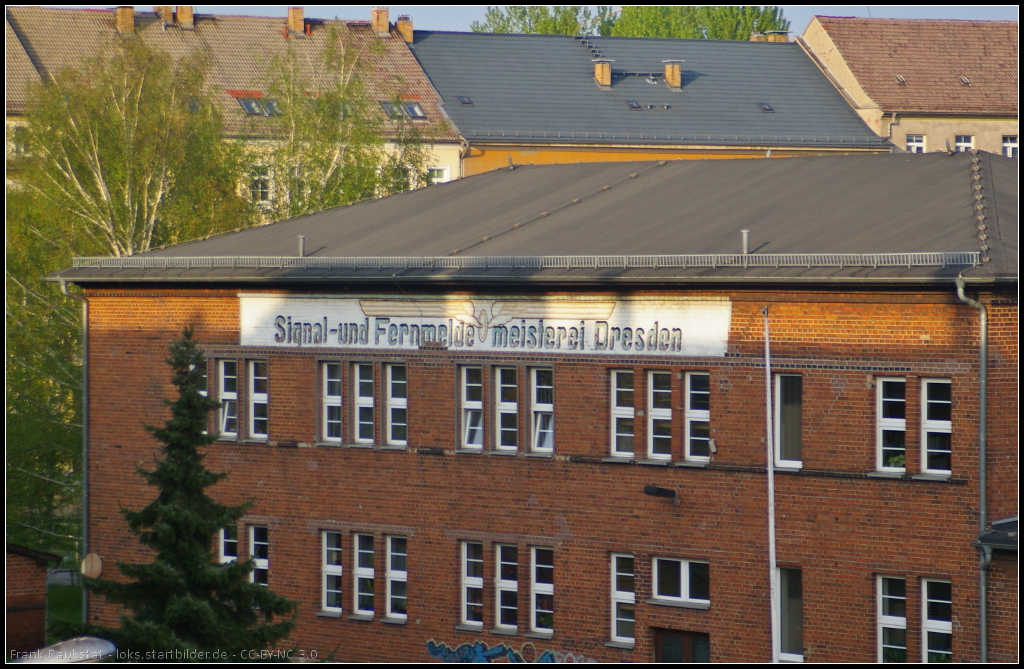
[302,246]
[746,241]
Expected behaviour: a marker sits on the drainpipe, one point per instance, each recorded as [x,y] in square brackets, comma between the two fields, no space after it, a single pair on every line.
[85,432]
[984,557]
[773,571]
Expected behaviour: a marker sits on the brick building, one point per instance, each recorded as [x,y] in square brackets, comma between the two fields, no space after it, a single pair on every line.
[527,414]
[25,597]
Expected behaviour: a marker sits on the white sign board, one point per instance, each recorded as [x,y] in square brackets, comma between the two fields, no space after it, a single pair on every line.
[594,325]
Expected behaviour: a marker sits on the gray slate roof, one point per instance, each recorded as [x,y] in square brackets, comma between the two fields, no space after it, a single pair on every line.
[541,88]
[631,222]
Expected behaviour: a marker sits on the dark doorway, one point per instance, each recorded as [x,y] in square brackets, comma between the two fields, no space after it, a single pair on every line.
[676,646]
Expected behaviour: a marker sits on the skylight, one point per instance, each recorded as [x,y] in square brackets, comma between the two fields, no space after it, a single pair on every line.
[765,107]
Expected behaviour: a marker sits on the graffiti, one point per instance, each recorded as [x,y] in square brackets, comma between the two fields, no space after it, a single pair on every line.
[502,652]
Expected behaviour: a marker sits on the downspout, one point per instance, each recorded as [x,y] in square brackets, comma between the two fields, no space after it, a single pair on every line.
[985,556]
[85,432]
[773,571]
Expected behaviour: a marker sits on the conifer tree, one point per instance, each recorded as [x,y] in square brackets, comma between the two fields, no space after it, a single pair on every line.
[184,600]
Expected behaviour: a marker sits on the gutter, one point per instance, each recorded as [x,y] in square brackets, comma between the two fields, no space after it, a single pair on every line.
[85,432]
[985,554]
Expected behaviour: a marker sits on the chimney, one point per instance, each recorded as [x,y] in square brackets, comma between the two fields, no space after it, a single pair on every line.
[124,20]
[186,20]
[164,12]
[379,21]
[296,21]
[404,26]
[778,35]
[756,37]
[674,74]
[603,73]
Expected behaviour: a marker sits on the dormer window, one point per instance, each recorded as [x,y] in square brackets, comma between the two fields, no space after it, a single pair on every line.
[404,110]
[258,107]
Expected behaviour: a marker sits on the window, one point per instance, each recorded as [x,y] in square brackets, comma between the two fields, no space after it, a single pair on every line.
[698,417]
[228,393]
[398,416]
[891,411]
[332,402]
[964,143]
[542,590]
[260,107]
[659,415]
[403,110]
[682,580]
[507,587]
[1010,146]
[789,407]
[473,408]
[937,626]
[227,544]
[259,185]
[473,583]
[623,599]
[892,619]
[363,573]
[507,407]
[543,410]
[259,386]
[673,646]
[332,571]
[397,578]
[259,550]
[936,426]
[623,428]
[438,175]
[791,612]
[915,143]
[363,405]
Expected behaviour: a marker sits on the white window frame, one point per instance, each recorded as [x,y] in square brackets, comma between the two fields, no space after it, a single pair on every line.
[261,565]
[261,174]
[502,584]
[445,170]
[224,539]
[506,408]
[934,426]
[693,416]
[395,576]
[395,403]
[963,143]
[472,583]
[889,621]
[540,589]
[361,403]
[658,414]
[622,597]
[889,424]
[929,625]
[685,576]
[333,570]
[1011,146]
[361,574]
[538,411]
[332,402]
[779,461]
[623,412]
[228,399]
[916,144]
[257,399]
[472,409]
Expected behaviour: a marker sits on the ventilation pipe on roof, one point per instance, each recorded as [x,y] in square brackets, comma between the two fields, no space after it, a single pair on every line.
[603,73]
[124,20]
[404,27]
[674,74]
[302,246]
[186,19]
[746,241]
[379,21]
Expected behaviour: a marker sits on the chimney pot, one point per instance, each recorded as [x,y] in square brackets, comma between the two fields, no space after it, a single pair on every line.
[404,27]
[186,20]
[603,74]
[379,21]
[124,20]
[296,21]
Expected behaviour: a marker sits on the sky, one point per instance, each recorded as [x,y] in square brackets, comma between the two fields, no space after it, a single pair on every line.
[459,18]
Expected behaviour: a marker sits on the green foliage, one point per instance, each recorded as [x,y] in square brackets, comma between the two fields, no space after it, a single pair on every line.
[328,135]
[698,22]
[183,600]
[545,20]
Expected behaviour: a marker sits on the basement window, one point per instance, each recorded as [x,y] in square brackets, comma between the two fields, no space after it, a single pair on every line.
[765,107]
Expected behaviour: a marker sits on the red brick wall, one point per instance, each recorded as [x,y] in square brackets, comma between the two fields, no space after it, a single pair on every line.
[839,526]
[26,604]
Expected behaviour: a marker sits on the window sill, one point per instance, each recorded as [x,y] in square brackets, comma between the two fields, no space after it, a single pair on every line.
[394,447]
[504,632]
[536,454]
[617,460]
[366,446]
[654,463]
[540,635]
[789,657]
[505,453]
[700,606]
[789,469]
[468,627]
[394,621]
[695,464]
[476,451]
[886,475]
[253,440]
[365,617]
[328,614]
[328,444]
[931,477]
[622,645]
